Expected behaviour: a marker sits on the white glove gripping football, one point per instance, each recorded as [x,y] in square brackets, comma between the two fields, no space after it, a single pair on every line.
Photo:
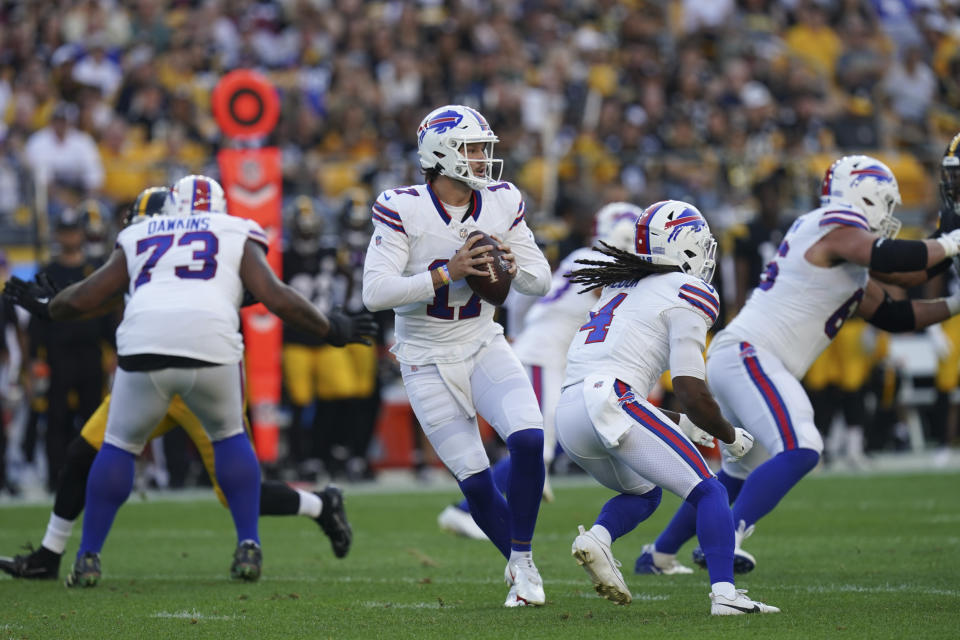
[740,446]
[950,243]
[695,433]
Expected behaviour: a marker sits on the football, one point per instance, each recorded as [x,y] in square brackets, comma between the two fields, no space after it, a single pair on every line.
[494,286]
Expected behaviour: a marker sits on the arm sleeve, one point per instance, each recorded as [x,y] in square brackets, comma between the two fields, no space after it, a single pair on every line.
[688,337]
[533,271]
[891,256]
[384,286]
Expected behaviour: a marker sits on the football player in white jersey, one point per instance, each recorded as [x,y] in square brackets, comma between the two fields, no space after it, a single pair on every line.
[184,274]
[820,276]
[454,359]
[653,314]
[541,346]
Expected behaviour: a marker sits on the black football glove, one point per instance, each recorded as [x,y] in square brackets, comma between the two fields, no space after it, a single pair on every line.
[33,296]
[345,329]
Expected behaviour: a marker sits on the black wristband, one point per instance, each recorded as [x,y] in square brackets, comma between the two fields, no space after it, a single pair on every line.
[890,256]
[895,316]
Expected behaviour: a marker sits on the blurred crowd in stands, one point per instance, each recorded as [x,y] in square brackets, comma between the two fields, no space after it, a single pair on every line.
[736,105]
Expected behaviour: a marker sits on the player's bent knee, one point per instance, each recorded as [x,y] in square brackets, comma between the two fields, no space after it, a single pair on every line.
[529,440]
[129,447]
[223,432]
[803,460]
[706,489]
[468,465]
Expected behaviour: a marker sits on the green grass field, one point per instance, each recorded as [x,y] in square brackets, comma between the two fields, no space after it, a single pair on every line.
[844,557]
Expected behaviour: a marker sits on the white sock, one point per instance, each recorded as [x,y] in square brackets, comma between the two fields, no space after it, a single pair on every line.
[725,589]
[311,505]
[602,534]
[663,560]
[521,555]
[58,532]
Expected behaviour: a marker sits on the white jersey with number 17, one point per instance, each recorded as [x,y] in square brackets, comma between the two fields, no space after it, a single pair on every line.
[185,287]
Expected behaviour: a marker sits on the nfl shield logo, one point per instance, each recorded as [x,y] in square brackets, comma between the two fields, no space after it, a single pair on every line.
[378,240]
[463,234]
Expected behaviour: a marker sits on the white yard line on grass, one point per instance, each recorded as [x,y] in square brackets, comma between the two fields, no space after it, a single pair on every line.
[881,588]
[373,604]
[194,615]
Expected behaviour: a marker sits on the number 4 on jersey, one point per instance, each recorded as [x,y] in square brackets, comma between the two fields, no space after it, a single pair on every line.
[600,320]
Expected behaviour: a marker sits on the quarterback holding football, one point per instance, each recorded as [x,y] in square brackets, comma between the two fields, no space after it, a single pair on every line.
[454,359]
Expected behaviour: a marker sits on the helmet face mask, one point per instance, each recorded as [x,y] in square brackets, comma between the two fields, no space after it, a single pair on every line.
[197,194]
[445,140]
[868,186]
[616,223]
[675,233]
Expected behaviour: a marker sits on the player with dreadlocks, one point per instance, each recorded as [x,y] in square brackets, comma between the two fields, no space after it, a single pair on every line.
[641,326]
[625,267]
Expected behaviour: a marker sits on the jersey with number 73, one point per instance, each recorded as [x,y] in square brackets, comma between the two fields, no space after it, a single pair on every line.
[798,308]
[185,286]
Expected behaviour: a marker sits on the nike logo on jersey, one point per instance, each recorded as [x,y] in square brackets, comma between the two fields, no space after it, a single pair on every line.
[386,196]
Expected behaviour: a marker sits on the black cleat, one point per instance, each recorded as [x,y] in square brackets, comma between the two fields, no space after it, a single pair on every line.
[247,562]
[333,521]
[86,571]
[39,564]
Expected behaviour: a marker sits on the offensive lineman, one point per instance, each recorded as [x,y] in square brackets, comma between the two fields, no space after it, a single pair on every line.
[276,498]
[185,274]
[820,276]
[653,314]
[454,359]
[541,347]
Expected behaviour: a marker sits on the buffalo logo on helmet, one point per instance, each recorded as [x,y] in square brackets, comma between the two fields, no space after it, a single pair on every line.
[441,122]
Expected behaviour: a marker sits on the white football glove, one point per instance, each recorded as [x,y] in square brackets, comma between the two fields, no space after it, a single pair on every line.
[695,433]
[950,243]
[740,446]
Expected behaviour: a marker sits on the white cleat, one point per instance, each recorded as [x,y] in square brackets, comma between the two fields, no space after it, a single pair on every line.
[460,522]
[526,585]
[741,604]
[597,560]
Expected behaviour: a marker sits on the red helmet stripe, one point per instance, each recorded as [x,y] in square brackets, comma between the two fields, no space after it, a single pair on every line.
[201,195]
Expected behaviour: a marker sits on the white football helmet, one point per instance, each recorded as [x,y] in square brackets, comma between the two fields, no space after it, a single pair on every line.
[675,233]
[197,195]
[867,185]
[441,144]
[616,224]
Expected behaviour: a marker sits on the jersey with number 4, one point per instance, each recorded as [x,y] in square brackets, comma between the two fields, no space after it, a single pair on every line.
[185,287]
[627,334]
[798,307]
[414,234]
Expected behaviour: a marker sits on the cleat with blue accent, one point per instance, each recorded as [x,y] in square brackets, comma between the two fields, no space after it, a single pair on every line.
[743,562]
[86,571]
[247,562]
[666,564]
